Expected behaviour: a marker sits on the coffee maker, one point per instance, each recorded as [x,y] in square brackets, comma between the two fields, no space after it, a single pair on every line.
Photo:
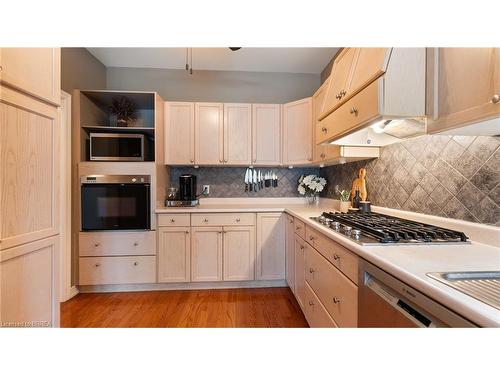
[187,193]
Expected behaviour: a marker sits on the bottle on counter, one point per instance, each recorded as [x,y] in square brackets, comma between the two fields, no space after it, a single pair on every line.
[356,200]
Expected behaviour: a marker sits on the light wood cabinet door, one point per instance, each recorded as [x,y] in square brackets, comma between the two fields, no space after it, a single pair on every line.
[315,312]
[340,80]
[29,169]
[270,246]
[29,284]
[237,134]
[209,134]
[206,254]
[300,263]
[266,134]
[290,252]
[174,254]
[370,63]
[36,71]
[297,132]
[465,81]
[321,153]
[179,133]
[239,253]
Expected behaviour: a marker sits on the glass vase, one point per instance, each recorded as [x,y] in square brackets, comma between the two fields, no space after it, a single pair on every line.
[313,199]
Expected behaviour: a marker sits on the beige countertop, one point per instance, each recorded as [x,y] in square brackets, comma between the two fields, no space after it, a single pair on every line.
[409,263]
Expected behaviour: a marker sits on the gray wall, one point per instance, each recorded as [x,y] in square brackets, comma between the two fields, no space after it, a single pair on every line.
[456,177]
[216,86]
[228,182]
[81,70]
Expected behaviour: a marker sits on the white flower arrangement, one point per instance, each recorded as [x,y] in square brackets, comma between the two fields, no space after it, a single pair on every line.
[311,185]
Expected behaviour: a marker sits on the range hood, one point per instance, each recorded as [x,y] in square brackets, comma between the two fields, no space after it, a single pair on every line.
[389,109]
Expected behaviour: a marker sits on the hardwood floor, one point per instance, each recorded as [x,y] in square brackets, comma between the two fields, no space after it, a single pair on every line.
[258,307]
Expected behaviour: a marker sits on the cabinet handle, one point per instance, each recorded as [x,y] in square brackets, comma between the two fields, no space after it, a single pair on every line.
[336,300]
[301,247]
[495,99]
[311,270]
[254,160]
[338,96]
[97,264]
[297,228]
[322,155]
[290,221]
[172,220]
[324,130]
[311,238]
[192,160]
[187,232]
[136,243]
[220,160]
[342,93]
[336,257]
[238,219]
[354,111]
[97,244]
[205,220]
[136,263]
[311,303]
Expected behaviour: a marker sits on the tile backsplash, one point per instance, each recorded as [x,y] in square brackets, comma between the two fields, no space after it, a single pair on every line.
[449,176]
[228,182]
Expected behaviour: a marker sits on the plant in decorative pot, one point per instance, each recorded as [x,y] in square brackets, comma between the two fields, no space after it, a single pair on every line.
[311,186]
[345,202]
[124,110]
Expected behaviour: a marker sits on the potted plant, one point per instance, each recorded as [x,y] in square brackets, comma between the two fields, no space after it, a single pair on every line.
[311,186]
[344,200]
[124,110]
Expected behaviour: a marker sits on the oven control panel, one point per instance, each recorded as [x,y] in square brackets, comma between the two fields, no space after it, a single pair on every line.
[116,179]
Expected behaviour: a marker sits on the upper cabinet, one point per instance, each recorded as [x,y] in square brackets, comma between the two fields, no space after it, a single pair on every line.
[237,134]
[35,71]
[179,133]
[266,134]
[465,87]
[209,133]
[297,132]
[320,152]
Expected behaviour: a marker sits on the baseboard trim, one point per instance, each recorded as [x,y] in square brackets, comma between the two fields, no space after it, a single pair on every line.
[73,291]
[181,286]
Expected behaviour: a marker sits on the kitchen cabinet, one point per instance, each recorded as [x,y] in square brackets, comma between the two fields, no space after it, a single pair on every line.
[370,64]
[209,134]
[174,254]
[290,252]
[239,253]
[34,71]
[315,312]
[465,86]
[297,132]
[29,284]
[266,134]
[206,254]
[270,246]
[179,133]
[237,134]
[300,263]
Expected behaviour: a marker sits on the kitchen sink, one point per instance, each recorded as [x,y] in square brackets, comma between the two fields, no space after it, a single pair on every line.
[481,285]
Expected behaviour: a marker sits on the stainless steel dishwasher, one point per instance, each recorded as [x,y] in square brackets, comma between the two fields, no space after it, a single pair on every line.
[384,301]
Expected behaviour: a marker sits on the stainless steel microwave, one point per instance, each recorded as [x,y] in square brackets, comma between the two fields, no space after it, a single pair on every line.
[116,147]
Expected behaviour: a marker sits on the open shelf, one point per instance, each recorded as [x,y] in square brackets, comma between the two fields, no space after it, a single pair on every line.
[148,131]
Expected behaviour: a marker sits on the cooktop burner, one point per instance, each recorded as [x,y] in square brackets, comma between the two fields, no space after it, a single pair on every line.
[373,228]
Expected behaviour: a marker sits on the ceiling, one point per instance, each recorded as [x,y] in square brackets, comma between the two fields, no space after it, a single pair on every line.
[284,60]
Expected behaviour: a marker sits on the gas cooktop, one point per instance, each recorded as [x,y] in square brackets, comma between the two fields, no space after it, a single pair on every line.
[379,229]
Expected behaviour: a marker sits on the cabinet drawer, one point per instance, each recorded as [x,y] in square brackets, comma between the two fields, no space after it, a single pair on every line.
[202,220]
[93,244]
[338,294]
[358,110]
[117,270]
[315,312]
[338,255]
[300,228]
[174,220]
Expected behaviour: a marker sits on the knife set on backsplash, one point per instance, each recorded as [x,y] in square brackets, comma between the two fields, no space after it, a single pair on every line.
[256,180]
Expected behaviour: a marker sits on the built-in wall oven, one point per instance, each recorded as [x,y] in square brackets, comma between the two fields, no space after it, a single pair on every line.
[115,202]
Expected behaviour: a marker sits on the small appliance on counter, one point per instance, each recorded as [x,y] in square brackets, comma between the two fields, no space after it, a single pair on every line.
[186,196]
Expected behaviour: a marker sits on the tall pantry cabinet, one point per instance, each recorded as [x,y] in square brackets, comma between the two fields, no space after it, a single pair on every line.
[29,186]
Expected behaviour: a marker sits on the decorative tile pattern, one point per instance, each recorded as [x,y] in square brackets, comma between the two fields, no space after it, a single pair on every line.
[228,182]
[450,176]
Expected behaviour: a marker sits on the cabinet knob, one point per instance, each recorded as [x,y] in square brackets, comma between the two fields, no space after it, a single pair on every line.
[336,300]
[311,270]
[301,247]
[172,220]
[290,221]
[311,303]
[354,111]
[336,257]
[205,220]
[311,238]
[97,244]
[254,160]
[297,228]
[342,93]
[322,155]
[192,160]
[97,264]
[187,232]
[136,243]
[136,263]
[495,99]
[238,219]
[220,160]
[324,130]
[338,96]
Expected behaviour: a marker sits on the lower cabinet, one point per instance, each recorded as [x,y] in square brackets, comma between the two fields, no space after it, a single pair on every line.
[206,253]
[117,270]
[238,253]
[315,312]
[270,246]
[290,252]
[174,254]
[300,281]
